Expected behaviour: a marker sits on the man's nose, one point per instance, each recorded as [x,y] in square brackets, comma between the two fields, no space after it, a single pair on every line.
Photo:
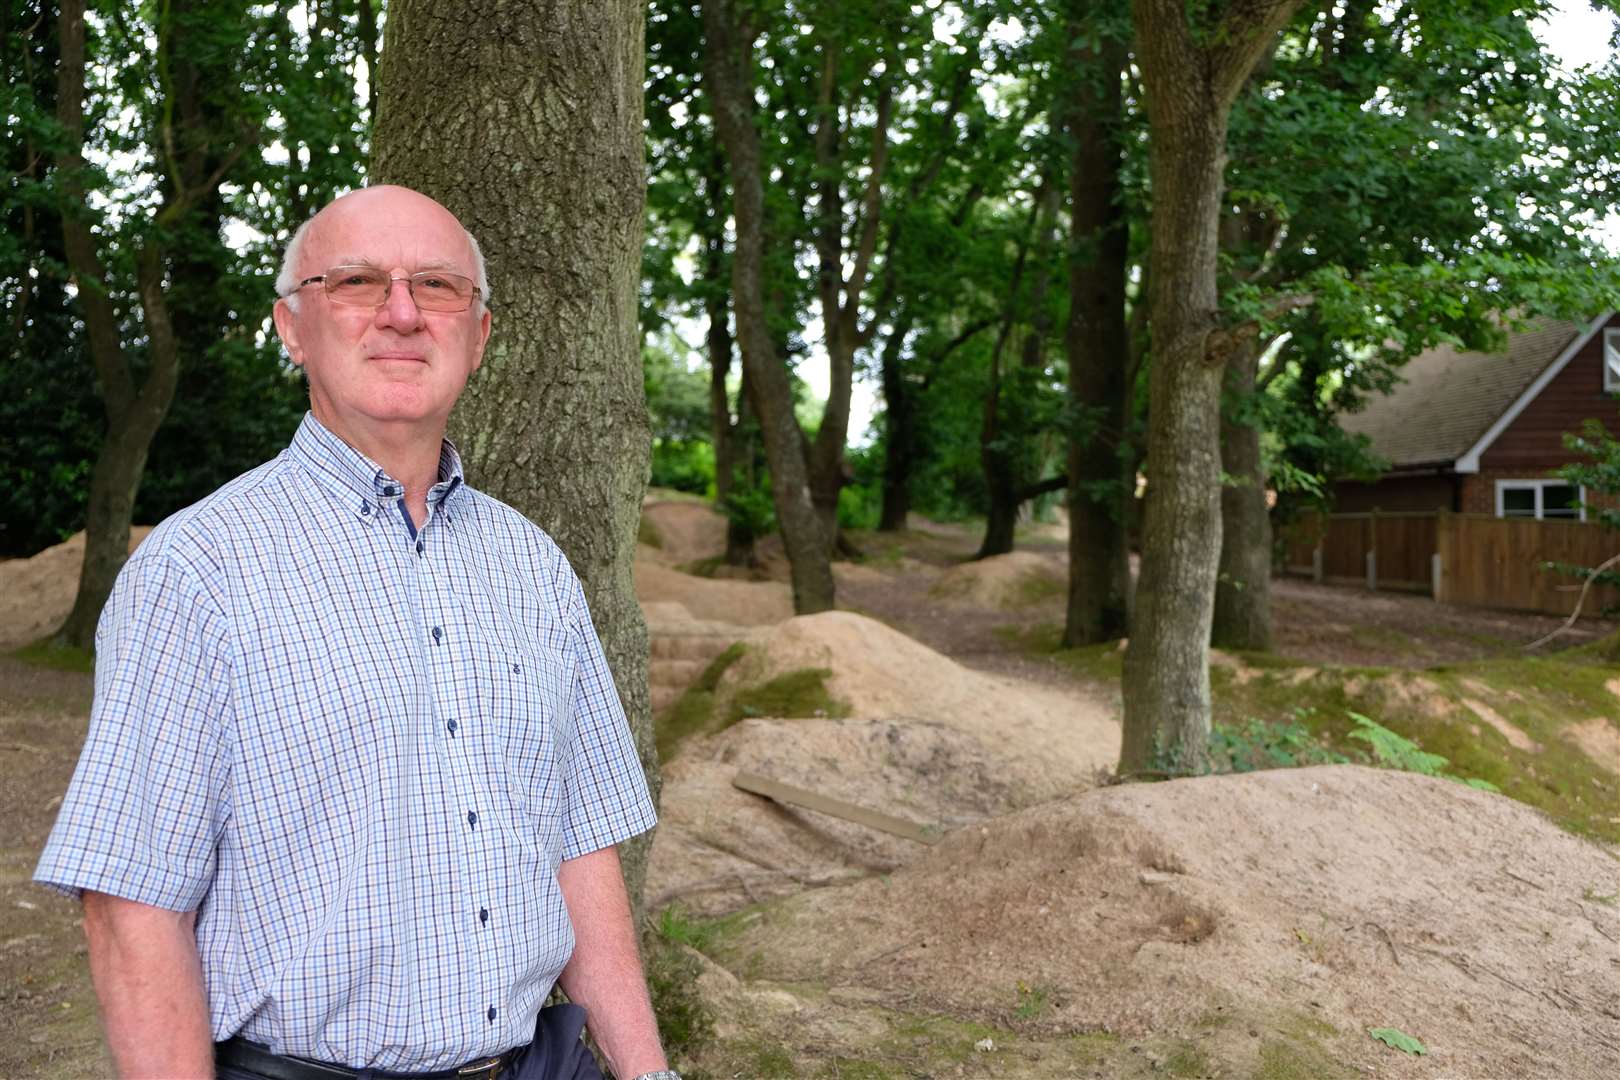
[399,308]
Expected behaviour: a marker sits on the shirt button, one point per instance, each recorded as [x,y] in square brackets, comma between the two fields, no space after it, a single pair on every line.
[516,670]
[437,634]
[483,915]
[472,818]
[365,508]
[419,547]
[450,726]
[492,1014]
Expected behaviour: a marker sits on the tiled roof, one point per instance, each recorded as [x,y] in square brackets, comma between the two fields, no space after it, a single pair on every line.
[1447,399]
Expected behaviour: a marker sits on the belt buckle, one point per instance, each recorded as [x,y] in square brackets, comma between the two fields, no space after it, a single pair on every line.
[484,1070]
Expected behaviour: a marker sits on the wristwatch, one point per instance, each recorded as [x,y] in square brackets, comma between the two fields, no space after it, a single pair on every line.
[660,1074]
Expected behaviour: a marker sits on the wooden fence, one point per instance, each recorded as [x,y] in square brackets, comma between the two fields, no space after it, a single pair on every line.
[1472,559]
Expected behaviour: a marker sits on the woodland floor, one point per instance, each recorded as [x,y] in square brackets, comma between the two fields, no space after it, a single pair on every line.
[1251,924]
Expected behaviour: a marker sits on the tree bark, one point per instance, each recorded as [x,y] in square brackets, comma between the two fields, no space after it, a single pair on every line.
[1190,89]
[1101,475]
[540,155]
[999,439]
[727,62]
[196,159]
[899,430]
[1242,617]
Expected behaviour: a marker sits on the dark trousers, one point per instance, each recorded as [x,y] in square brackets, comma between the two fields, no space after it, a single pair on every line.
[557,1053]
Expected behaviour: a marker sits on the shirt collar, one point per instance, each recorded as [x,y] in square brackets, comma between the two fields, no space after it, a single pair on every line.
[359,482]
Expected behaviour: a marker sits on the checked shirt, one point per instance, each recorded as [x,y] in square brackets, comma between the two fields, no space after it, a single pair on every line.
[359,752]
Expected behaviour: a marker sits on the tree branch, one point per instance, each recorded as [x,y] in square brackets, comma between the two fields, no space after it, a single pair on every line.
[871,208]
[1586,587]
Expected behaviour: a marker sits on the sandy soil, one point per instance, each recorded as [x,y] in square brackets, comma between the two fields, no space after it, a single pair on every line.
[1346,896]
[36,593]
[1236,913]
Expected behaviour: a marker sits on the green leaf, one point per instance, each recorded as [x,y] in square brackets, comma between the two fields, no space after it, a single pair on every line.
[1399,1039]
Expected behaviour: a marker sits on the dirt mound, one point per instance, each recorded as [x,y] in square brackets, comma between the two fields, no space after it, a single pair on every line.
[684,531]
[36,593]
[1049,740]
[1006,581]
[932,742]
[1318,902]
[741,603]
[718,848]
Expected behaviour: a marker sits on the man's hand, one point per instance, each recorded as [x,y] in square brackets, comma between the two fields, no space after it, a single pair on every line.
[605,973]
[149,982]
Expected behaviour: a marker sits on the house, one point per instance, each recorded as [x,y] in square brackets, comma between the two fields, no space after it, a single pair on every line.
[1478,433]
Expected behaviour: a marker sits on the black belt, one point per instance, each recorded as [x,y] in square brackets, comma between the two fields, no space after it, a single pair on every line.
[239,1053]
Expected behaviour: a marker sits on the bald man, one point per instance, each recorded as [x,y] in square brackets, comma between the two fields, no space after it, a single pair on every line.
[356,769]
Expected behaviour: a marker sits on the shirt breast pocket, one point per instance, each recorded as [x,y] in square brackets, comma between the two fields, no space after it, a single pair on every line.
[530,720]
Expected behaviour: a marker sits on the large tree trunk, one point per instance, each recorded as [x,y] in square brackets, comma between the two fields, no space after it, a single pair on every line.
[727,62]
[1101,479]
[1242,618]
[1190,88]
[539,152]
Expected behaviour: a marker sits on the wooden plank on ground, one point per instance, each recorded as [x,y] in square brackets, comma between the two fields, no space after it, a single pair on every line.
[838,808]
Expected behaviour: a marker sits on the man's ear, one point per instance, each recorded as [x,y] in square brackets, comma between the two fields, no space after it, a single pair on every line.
[287,330]
[483,339]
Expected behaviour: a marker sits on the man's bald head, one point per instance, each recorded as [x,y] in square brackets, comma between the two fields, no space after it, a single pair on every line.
[385,201]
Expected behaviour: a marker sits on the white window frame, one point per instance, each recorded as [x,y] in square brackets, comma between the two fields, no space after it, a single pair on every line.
[1611,360]
[1537,486]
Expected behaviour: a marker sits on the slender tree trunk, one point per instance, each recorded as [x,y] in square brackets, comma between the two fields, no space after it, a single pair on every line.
[899,431]
[542,160]
[1190,88]
[1242,618]
[1002,431]
[1101,478]
[134,411]
[727,63]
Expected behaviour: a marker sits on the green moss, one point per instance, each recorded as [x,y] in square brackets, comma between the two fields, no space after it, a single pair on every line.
[1186,1059]
[57,657]
[685,1024]
[801,693]
[768,1061]
[843,1068]
[1034,588]
[1284,1059]
[693,713]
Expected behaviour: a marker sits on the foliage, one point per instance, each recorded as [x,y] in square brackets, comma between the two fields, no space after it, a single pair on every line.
[1258,744]
[1398,752]
[1407,175]
[685,1023]
[236,404]
[1397,1038]
[1599,475]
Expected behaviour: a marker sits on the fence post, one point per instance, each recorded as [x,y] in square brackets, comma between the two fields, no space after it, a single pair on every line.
[1372,551]
[1437,561]
[1316,562]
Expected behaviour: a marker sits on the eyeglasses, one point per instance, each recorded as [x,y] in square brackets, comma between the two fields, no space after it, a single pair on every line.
[367,286]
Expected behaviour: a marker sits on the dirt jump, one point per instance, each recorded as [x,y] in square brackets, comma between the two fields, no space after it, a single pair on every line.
[967,891]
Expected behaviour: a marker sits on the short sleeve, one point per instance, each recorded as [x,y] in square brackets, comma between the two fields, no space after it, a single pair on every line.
[607,791]
[144,812]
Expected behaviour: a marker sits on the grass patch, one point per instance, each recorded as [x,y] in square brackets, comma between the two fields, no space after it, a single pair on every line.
[1277,712]
[57,657]
[693,712]
[1285,1059]
[801,693]
[685,1024]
